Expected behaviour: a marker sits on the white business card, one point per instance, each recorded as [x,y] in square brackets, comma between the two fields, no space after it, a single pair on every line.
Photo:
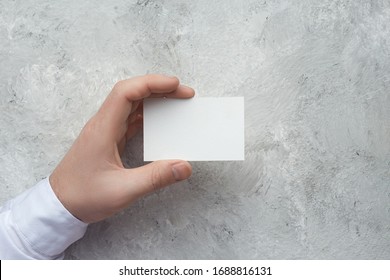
[196,129]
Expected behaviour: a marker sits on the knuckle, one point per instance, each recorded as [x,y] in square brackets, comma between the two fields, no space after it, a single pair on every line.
[90,127]
[156,179]
[118,87]
[129,89]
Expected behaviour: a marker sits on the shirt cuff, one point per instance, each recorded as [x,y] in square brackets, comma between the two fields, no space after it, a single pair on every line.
[40,225]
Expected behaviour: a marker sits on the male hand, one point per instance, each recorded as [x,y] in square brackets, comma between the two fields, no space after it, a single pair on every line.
[91,181]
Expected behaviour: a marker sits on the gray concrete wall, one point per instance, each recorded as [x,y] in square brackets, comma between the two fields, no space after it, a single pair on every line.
[316,79]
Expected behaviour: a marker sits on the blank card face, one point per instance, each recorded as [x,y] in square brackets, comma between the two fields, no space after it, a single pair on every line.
[196,129]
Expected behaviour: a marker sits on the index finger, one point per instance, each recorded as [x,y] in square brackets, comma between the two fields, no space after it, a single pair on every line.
[118,105]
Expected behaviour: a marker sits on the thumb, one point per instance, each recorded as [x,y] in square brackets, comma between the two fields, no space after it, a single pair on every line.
[156,175]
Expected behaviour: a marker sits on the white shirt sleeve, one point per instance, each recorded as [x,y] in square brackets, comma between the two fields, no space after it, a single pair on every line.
[35,225]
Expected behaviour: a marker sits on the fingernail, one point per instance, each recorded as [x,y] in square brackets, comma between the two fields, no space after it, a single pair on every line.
[180,171]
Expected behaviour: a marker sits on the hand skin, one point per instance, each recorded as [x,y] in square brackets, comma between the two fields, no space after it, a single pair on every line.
[91,181]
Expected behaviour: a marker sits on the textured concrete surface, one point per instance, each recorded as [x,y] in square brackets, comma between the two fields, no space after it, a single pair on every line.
[316,79]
